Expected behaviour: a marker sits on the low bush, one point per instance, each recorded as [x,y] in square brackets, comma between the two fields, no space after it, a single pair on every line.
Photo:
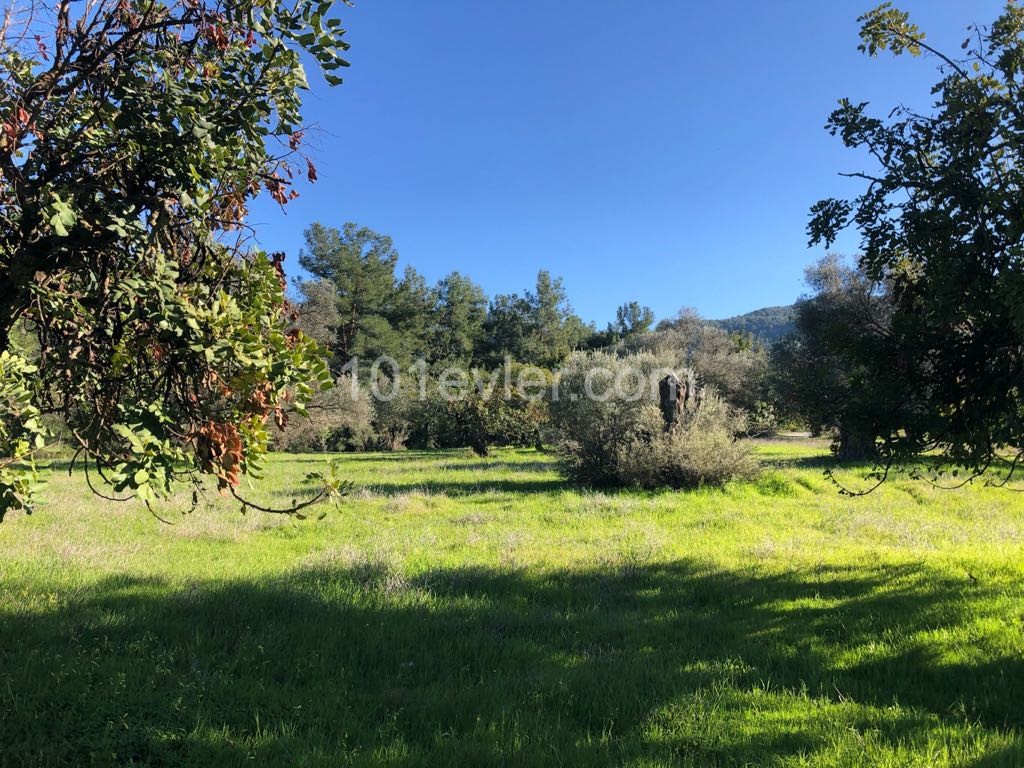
[493,411]
[614,434]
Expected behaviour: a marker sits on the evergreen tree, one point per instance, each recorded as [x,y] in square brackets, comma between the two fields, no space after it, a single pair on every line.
[539,328]
[554,330]
[630,319]
[377,314]
[506,329]
[460,314]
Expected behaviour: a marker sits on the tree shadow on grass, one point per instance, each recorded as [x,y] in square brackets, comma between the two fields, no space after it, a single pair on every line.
[820,461]
[468,487]
[445,487]
[362,664]
[395,457]
[496,465]
[927,465]
[1010,757]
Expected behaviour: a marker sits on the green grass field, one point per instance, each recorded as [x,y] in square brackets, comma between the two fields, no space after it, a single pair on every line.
[460,611]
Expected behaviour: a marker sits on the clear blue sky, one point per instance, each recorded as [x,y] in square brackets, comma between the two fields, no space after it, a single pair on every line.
[665,151]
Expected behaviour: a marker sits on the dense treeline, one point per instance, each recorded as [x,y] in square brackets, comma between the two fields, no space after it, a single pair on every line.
[357,304]
[390,330]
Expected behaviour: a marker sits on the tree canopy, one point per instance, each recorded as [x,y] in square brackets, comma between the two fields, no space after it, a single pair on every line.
[134,134]
[461,313]
[538,328]
[368,309]
[832,372]
[941,221]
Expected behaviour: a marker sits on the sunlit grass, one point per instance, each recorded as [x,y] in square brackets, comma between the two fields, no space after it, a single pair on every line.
[466,611]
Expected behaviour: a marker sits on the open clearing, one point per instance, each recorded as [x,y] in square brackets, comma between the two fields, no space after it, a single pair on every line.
[466,611]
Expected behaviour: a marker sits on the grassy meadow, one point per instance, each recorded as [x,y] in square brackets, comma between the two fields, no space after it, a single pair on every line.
[467,612]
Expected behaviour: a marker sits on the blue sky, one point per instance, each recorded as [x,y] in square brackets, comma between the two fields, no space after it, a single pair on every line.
[664,151]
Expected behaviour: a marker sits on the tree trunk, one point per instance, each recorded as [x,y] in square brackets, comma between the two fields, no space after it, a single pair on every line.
[854,446]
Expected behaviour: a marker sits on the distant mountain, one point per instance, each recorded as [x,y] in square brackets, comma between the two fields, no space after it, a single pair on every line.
[767,325]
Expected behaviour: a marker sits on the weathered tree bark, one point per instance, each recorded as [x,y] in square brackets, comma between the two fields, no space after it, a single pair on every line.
[678,397]
[538,441]
[671,395]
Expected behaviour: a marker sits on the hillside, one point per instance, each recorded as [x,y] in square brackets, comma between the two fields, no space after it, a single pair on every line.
[768,324]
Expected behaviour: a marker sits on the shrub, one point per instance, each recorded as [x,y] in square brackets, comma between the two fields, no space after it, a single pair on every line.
[411,418]
[488,409]
[480,421]
[702,450]
[615,436]
[340,419]
[392,421]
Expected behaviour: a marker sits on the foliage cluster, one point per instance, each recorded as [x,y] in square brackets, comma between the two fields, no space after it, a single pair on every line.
[941,226]
[339,418]
[357,304]
[830,372]
[619,438]
[134,134]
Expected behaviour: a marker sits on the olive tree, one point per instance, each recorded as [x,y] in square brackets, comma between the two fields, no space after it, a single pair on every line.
[833,371]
